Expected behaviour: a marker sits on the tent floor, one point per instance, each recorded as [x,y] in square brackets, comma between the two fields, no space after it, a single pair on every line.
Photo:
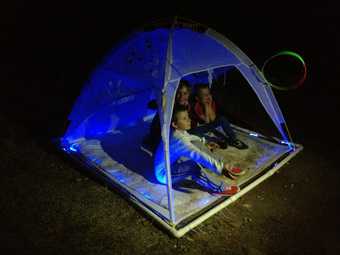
[118,156]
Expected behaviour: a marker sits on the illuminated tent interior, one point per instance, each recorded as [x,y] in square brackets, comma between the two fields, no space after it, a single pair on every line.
[111,117]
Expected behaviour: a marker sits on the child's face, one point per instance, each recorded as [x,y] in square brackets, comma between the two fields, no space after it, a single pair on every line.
[204,96]
[183,121]
[182,96]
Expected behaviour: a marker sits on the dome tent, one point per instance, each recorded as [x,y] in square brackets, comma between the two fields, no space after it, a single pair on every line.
[110,118]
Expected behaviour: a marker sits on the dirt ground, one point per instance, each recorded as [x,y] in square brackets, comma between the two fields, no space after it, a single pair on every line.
[49,206]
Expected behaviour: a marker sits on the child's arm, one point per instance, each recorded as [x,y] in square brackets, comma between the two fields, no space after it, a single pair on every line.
[212,114]
[209,111]
[185,148]
[206,113]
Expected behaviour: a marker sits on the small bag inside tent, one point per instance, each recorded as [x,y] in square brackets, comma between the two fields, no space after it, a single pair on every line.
[112,116]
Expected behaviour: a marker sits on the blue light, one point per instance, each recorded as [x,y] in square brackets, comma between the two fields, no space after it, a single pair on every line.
[285,142]
[290,145]
[98,161]
[145,193]
[72,147]
[160,172]
[92,158]
[253,134]
[120,177]
[204,201]
[147,196]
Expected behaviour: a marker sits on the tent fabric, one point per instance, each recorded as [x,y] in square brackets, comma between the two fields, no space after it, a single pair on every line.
[138,66]
[193,52]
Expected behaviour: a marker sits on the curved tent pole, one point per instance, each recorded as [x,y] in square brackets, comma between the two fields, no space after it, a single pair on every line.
[210,77]
[271,98]
[165,129]
[276,115]
[248,69]
[167,103]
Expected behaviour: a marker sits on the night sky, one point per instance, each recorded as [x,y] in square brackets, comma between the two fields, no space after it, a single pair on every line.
[53,47]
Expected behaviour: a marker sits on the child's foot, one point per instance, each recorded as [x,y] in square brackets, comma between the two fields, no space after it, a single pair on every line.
[231,176]
[223,144]
[236,171]
[233,172]
[238,144]
[228,191]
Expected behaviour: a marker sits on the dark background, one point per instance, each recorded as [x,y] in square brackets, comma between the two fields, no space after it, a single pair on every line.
[47,51]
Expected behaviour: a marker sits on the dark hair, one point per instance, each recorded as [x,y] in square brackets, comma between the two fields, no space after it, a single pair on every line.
[177,109]
[183,83]
[200,86]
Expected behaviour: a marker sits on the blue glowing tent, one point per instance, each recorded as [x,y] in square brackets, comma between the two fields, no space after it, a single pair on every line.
[111,117]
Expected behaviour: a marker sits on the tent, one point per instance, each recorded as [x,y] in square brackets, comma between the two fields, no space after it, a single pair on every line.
[110,118]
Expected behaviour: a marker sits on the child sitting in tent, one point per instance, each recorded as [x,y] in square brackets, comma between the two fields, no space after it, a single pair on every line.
[182,98]
[187,153]
[205,113]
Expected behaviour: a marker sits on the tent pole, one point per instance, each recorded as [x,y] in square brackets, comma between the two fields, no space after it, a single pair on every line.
[169,183]
[165,128]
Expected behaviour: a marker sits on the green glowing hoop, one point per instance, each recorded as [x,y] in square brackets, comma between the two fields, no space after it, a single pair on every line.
[296,84]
